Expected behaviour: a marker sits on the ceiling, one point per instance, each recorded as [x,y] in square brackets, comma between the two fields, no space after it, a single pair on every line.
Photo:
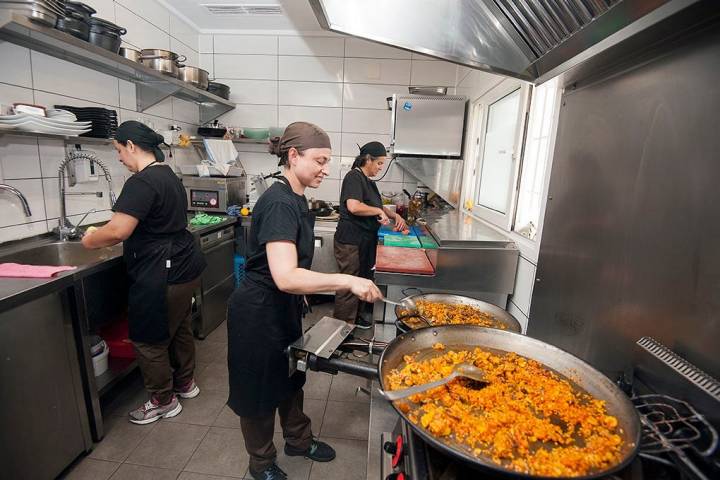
[297,15]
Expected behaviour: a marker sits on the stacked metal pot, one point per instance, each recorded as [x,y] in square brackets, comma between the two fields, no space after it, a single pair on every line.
[78,21]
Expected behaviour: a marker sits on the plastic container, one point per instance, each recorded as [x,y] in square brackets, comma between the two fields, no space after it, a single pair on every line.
[276,131]
[100,362]
[239,269]
[256,133]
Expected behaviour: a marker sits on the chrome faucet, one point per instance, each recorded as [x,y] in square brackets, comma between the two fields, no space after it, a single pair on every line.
[18,193]
[66,230]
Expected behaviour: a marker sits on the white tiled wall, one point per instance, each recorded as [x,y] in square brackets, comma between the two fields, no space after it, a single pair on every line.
[31,164]
[338,83]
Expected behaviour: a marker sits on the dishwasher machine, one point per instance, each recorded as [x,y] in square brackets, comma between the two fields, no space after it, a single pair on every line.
[217,281]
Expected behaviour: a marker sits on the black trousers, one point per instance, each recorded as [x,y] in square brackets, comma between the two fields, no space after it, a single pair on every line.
[258,431]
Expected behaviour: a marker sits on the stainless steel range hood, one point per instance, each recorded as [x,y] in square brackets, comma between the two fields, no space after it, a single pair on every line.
[532,40]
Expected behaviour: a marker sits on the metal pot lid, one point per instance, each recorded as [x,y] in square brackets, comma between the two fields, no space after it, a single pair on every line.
[79,7]
[101,23]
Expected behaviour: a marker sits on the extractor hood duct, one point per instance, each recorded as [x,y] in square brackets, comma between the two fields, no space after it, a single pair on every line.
[533,40]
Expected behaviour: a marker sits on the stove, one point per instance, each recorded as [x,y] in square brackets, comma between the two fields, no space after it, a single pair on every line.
[679,441]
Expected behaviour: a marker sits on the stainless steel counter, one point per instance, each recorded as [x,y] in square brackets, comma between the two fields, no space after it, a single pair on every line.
[16,291]
[458,229]
[470,257]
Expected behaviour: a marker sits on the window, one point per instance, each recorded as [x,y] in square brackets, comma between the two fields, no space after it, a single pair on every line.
[497,153]
[538,145]
[506,181]
[499,122]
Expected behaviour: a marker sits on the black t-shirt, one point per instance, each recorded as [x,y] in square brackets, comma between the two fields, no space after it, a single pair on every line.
[156,197]
[357,186]
[279,215]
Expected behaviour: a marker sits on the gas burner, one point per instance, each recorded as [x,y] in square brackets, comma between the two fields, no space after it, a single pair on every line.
[670,424]
[675,433]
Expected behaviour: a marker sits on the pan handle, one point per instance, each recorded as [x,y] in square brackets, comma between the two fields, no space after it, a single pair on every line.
[406,290]
[334,365]
[400,325]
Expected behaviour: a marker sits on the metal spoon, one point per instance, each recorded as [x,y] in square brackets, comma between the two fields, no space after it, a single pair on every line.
[460,370]
[406,303]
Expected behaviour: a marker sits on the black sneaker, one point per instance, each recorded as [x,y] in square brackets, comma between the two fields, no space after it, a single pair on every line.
[318,451]
[273,472]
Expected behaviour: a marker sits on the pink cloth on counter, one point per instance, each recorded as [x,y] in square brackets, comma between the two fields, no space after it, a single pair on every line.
[18,270]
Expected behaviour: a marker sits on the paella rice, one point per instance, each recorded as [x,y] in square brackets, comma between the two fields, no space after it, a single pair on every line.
[440,313]
[527,418]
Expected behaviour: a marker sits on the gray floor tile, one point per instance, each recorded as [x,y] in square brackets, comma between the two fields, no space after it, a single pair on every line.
[210,352]
[344,389]
[227,418]
[297,468]
[346,420]
[214,377]
[222,452]
[132,397]
[168,445]
[201,410]
[317,385]
[219,335]
[121,438]
[138,472]
[315,409]
[91,469]
[201,476]
[350,463]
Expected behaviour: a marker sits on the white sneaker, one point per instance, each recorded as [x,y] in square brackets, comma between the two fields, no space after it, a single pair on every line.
[152,411]
[190,390]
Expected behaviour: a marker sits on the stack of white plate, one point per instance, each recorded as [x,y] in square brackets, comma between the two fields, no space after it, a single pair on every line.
[57,125]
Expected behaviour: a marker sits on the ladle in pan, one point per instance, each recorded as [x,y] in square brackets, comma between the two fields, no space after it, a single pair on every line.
[460,370]
[410,308]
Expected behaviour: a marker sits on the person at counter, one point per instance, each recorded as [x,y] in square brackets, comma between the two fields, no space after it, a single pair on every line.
[265,311]
[361,214]
[163,266]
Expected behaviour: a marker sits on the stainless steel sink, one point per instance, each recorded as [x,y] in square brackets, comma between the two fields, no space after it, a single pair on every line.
[62,253]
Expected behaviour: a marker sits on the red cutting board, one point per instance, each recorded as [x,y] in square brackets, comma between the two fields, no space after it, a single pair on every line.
[403,260]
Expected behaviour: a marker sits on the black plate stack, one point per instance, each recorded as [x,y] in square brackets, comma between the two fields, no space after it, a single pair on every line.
[104,121]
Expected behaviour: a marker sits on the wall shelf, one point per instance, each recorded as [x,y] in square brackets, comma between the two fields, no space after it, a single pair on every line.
[152,86]
[66,139]
[199,141]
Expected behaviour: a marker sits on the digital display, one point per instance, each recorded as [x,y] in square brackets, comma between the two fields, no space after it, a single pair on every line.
[204,198]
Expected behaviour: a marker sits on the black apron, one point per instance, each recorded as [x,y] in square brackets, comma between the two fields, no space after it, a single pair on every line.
[147,260]
[351,233]
[262,323]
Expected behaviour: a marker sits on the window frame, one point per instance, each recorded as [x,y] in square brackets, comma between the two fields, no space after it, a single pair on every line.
[529,249]
[501,220]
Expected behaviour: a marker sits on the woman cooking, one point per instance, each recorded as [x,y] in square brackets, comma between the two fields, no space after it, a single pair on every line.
[361,214]
[163,267]
[265,312]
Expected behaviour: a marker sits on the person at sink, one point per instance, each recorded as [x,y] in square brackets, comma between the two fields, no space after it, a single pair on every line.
[163,266]
[361,214]
[265,311]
